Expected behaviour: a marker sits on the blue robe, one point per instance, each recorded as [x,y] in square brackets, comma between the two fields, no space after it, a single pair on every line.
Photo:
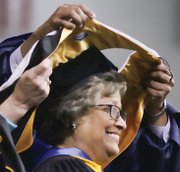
[6,49]
[148,153]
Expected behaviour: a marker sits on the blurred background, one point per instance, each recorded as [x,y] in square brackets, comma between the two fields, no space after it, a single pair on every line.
[155,23]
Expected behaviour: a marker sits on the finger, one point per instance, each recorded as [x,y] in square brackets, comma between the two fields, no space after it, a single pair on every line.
[65,23]
[158,89]
[157,93]
[159,86]
[81,14]
[48,81]
[43,69]
[172,82]
[160,76]
[162,67]
[72,13]
[76,18]
[87,11]
[45,87]
[166,68]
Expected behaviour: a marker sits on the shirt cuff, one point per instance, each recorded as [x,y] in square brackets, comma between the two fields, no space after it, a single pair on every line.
[162,132]
[10,124]
[15,59]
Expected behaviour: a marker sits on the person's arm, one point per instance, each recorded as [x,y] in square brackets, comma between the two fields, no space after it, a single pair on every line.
[67,15]
[31,89]
[158,86]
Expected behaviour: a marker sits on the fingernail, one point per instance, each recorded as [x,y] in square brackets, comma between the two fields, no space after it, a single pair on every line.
[93,15]
[80,26]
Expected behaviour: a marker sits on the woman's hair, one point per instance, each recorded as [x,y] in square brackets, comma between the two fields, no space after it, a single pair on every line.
[54,117]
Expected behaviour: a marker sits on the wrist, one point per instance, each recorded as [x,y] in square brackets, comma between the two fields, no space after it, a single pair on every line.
[42,31]
[159,114]
[14,109]
[28,44]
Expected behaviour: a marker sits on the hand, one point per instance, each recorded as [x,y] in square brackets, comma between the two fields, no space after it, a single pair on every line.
[158,86]
[31,89]
[33,85]
[67,15]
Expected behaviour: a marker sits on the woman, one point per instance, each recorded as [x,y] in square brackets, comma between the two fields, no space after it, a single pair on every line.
[82,117]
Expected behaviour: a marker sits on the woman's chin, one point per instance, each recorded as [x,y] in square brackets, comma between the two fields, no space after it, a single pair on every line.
[114,151]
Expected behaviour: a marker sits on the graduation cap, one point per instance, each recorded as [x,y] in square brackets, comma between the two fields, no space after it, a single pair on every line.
[72,43]
[66,75]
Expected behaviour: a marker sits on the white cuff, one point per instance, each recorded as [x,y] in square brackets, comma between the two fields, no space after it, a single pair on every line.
[15,59]
[162,132]
[20,69]
[11,125]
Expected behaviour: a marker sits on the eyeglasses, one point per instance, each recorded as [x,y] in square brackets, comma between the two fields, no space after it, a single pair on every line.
[114,111]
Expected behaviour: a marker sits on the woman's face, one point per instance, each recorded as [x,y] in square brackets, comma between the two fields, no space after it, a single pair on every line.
[97,134]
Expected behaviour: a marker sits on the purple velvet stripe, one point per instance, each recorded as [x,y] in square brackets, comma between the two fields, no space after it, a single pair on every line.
[66,151]
[61,151]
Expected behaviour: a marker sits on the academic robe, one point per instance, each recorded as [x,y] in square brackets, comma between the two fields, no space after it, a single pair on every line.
[148,153]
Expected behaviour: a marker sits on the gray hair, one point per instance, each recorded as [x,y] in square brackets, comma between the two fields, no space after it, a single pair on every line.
[55,117]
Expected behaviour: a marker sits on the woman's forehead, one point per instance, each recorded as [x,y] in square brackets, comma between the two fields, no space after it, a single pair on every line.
[113,99]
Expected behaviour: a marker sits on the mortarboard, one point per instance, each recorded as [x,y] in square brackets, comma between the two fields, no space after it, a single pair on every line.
[66,75]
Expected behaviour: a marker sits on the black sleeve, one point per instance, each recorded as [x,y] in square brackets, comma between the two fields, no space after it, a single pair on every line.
[63,163]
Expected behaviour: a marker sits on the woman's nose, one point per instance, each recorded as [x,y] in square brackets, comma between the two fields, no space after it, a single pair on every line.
[120,123]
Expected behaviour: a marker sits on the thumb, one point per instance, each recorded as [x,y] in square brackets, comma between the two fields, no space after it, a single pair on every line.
[43,68]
